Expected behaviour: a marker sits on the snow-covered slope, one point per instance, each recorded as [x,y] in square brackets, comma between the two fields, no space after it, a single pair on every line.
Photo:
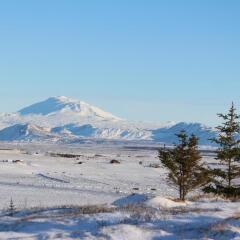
[25,132]
[59,118]
[67,105]
[117,132]
[168,134]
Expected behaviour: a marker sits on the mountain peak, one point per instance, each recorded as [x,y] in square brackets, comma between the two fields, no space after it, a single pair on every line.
[63,104]
[64,99]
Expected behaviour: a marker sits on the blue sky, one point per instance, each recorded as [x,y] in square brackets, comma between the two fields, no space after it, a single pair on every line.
[154,60]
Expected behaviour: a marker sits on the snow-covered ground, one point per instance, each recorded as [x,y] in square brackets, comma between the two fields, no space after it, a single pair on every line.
[54,195]
[47,180]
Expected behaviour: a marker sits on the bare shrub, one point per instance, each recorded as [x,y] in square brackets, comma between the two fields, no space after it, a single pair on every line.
[114,161]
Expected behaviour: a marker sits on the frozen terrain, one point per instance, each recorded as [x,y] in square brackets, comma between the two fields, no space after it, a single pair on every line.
[55,180]
[74,192]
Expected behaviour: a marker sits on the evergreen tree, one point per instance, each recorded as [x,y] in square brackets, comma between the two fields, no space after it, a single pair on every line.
[184,162]
[11,208]
[228,154]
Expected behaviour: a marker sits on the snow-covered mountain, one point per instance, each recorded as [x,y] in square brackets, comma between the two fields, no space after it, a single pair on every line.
[117,132]
[25,132]
[62,118]
[168,134]
[65,105]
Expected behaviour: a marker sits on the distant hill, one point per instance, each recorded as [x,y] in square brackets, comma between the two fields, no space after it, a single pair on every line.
[59,118]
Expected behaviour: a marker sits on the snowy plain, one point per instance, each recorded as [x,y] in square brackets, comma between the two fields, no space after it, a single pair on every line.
[78,180]
[84,196]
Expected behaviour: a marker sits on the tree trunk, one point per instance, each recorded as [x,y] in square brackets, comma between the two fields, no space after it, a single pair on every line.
[180,191]
[229,174]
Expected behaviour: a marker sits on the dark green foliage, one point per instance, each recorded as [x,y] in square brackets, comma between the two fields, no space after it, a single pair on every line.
[230,192]
[186,169]
[11,208]
[228,155]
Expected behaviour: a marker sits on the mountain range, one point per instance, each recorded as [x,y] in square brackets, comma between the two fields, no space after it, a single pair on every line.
[62,119]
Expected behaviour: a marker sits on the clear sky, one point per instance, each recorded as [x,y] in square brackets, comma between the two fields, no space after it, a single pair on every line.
[149,60]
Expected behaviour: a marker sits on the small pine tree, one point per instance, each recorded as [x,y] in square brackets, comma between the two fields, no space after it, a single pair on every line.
[184,162]
[11,208]
[228,154]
